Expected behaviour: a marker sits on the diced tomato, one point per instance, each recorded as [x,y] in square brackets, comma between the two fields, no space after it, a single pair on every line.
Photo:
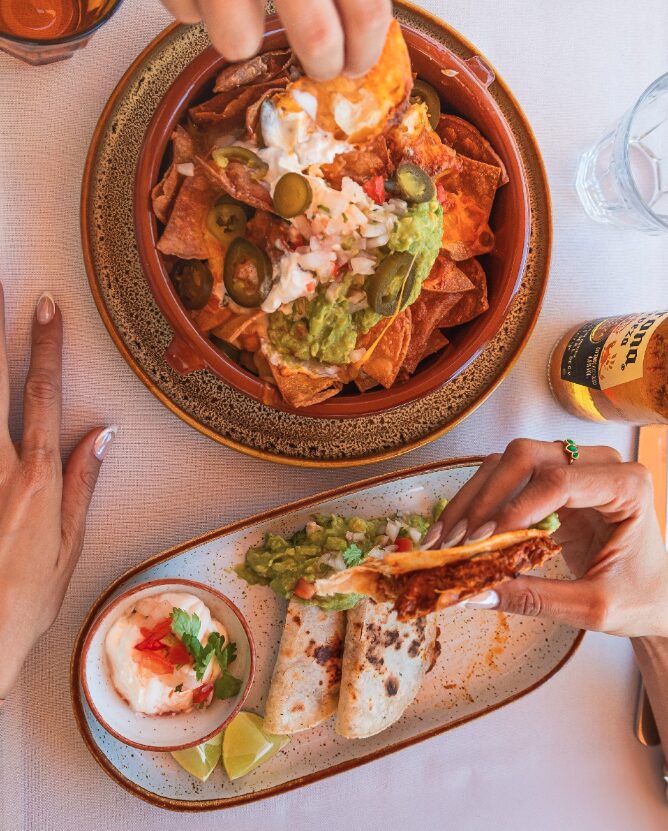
[304,589]
[155,663]
[202,693]
[178,655]
[404,544]
[440,193]
[375,188]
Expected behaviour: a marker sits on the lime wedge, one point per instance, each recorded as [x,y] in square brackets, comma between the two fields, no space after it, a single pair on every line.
[201,760]
[247,745]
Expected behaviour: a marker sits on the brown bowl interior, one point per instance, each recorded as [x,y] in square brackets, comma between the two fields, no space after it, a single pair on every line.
[462,93]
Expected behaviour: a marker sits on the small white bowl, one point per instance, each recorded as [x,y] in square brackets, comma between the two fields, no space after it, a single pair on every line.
[165,732]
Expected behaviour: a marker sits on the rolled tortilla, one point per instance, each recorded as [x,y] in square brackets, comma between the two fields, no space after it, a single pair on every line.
[384,662]
[304,688]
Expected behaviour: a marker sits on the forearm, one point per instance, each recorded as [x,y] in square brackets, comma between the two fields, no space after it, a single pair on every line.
[652,657]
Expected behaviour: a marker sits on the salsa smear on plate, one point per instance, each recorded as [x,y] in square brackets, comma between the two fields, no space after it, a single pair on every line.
[168,654]
[323,233]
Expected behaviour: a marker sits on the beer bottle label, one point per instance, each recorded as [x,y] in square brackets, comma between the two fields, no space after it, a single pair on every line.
[609,351]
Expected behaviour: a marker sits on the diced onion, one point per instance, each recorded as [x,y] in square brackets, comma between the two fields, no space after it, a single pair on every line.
[186,169]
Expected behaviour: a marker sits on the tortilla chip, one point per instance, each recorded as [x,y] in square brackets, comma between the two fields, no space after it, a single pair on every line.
[369,160]
[463,137]
[237,180]
[389,352]
[186,234]
[359,108]
[414,140]
[260,68]
[272,233]
[436,342]
[364,383]
[445,276]
[473,303]
[238,323]
[227,110]
[426,313]
[299,387]
[163,194]
[467,193]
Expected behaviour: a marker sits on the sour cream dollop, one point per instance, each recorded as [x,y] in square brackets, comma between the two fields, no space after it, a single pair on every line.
[149,688]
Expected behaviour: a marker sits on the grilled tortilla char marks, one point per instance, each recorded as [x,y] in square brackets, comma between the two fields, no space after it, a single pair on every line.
[421,592]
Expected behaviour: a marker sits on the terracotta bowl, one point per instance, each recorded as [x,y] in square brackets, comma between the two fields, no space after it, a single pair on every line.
[165,732]
[462,85]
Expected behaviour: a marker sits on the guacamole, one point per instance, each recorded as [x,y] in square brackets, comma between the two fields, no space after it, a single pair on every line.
[328,543]
[323,328]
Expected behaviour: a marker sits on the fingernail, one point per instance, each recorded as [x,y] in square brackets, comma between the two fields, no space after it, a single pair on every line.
[456,535]
[46,308]
[483,532]
[485,600]
[104,440]
[432,536]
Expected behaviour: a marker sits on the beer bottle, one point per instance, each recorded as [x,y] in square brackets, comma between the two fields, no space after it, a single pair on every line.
[614,369]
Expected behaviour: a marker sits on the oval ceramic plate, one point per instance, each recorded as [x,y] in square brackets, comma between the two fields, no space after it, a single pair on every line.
[488,659]
[201,399]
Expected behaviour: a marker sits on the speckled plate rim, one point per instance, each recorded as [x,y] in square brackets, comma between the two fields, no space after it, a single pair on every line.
[220,804]
[298,461]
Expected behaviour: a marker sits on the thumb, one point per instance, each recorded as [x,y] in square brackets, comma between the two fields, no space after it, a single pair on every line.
[572,602]
[79,480]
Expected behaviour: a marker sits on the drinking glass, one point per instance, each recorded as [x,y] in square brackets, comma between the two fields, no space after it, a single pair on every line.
[45,31]
[623,179]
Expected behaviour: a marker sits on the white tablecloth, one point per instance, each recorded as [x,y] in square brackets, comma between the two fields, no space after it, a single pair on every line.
[565,756]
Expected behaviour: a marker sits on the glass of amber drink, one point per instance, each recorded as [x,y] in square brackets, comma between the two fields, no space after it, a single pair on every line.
[44,31]
[623,179]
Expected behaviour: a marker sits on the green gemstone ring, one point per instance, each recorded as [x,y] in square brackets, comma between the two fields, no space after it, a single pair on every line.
[571,450]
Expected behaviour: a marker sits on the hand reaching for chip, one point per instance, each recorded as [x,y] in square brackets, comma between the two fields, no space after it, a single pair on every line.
[43,507]
[328,36]
[610,535]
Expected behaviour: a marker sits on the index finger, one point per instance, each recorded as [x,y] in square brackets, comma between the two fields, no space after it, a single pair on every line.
[43,387]
[365,25]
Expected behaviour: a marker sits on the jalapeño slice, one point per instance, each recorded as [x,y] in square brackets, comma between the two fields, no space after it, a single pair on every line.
[413,183]
[292,195]
[423,92]
[394,276]
[223,155]
[193,282]
[247,273]
[226,221]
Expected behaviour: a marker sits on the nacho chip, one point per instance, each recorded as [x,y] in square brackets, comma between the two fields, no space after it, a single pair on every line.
[237,179]
[260,68]
[273,234]
[239,323]
[426,313]
[414,140]
[364,383]
[227,110]
[463,137]
[466,192]
[163,194]
[389,352]
[369,160]
[300,387]
[473,303]
[445,276]
[359,108]
[185,234]
[436,342]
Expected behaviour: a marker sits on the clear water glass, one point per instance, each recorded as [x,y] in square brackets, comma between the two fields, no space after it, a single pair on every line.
[623,180]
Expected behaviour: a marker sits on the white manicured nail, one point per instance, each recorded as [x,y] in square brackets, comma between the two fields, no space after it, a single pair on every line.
[46,309]
[103,441]
[485,600]
[483,532]
[456,535]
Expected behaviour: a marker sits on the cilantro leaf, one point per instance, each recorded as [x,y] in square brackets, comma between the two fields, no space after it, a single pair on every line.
[184,624]
[353,555]
[226,686]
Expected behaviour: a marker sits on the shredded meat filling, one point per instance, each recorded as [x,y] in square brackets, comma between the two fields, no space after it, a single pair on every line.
[421,592]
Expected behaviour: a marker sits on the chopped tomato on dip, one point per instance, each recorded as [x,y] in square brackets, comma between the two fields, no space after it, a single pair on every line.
[150,667]
[375,188]
[404,544]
